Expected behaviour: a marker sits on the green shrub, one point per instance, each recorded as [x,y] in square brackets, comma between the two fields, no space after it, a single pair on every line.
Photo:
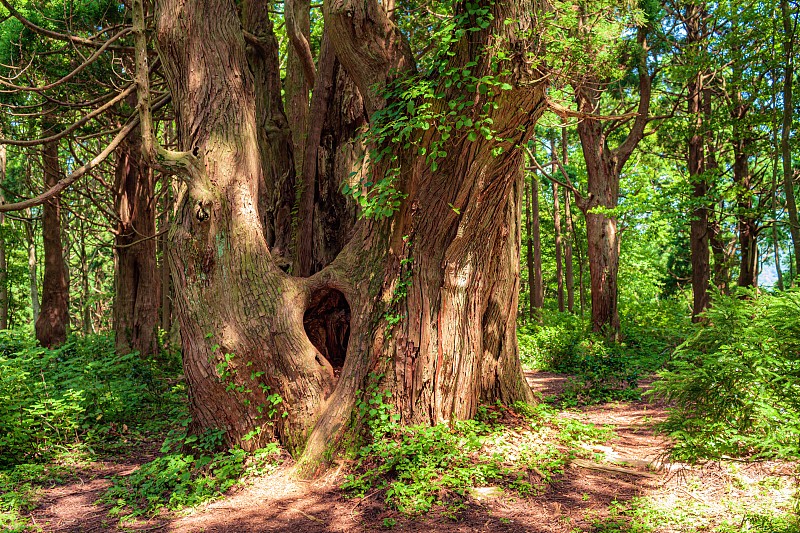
[551,344]
[735,383]
[82,392]
[190,472]
[418,467]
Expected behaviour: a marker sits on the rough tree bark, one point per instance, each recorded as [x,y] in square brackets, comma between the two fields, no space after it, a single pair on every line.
[136,284]
[51,326]
[451,274]
[603,168]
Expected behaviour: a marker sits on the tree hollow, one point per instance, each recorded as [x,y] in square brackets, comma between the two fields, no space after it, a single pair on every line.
[327,325]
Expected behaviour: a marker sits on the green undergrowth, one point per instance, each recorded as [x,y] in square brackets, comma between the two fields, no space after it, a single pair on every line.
[734,385]
[190,471]
[602,370]
[417,468]
[61,409]
[82,395]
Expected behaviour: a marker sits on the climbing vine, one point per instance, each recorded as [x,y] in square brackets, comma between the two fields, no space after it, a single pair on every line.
[414,107]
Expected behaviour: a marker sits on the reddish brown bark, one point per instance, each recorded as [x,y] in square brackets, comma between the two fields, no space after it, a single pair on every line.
[51,326]
[603,168]
[446,264]
[137,284]
[277,194]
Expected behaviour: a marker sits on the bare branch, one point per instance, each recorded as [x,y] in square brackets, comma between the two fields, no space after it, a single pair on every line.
[34,142]
[91,59]
[74,175]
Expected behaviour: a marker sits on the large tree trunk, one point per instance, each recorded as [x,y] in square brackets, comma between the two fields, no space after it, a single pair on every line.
[431,294]
[136,282]
[51,327]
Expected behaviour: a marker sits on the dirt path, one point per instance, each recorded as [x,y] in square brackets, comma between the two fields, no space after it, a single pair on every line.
[583,499]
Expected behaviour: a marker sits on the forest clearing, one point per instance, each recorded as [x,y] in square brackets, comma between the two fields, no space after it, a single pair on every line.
[413,265]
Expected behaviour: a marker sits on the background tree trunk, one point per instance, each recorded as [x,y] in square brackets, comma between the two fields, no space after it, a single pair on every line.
[537,294]
[603,168]
[529,251]
[569,234]
[3,263]
[277,192]
[700,224]
[789,29]
[137,284]
[33,275]
[51,326]
[747,223]
[601,229]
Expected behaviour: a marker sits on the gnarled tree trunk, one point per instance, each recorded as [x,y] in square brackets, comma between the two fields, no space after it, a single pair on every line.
[431,293]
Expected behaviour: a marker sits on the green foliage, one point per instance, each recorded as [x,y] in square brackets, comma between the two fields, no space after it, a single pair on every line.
[735,382]
[553,342]
[415,106]
[82,393]
[190,472]
[603,370]
[418,467]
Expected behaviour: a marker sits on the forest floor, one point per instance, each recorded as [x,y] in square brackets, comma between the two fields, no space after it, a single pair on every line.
[627,485]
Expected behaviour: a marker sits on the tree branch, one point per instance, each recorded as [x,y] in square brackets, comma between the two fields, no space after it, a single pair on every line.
[74,175]
[299,41]
[56,35]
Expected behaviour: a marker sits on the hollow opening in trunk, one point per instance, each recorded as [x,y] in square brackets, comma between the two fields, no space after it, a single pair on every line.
[327,324]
